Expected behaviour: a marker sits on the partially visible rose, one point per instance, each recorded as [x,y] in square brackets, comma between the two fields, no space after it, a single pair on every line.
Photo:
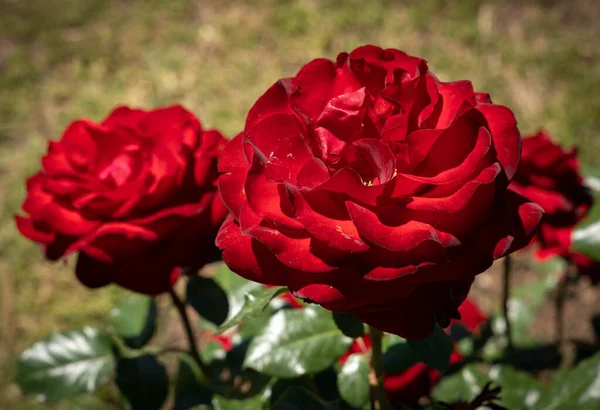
[368,186]
[549,175]
[134,195]
[224,341]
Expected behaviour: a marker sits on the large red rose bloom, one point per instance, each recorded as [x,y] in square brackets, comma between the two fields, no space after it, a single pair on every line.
[135,195]
[368,186]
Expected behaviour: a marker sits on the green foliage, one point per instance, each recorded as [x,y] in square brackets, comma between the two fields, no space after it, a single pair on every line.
[77,59]
[299,398]
[66,364]
[574,389]
[134,319]
[221,403]
[232,379]
[586,237]
[525,300]
[254,305]
[143,382]
[349,324]
[208,299]
[434,351]
[399,357]
[520,390]
[235,287]
[189,389]
[297,342]
[353,381]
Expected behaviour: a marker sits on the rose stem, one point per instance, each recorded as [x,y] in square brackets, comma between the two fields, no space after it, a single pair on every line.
[559,306]
[189,332]
[505,298]
[376,373]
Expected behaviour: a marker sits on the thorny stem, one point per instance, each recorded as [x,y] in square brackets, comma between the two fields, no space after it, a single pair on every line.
[180,306]
[505,300]
[376,373]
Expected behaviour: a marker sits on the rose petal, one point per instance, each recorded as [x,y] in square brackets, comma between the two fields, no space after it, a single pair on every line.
[339,123]
[506,136]
[396,238]
[270,201]
[349,182]
[114,240]
[292,248]
[400,317]
[234,167]
[150,274]
[318,82]
[28,229]
[280,145]
[458,213]
[243,255]
[334,229]
[456,96]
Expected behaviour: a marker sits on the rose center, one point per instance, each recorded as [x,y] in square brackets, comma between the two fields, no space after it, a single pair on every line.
[118,171]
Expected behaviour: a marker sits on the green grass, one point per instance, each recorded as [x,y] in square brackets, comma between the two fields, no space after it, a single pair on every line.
[65,59]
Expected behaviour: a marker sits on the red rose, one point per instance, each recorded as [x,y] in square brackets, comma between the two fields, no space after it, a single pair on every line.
[135,195]
[368,186]
[224,341]
[549,176]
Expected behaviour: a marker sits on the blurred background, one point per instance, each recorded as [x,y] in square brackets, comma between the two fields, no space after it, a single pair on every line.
[65,59]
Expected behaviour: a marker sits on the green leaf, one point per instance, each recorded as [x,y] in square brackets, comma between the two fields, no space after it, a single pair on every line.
[353,381]
[233,381]
[236,288]
[297,342]
[592,177]
[134,319]
[208,299]
[222,403]
[575,389]
[282,385]
[519,389]
[462,385]
[586,236]
[254,306]
[434,351]
[554,266]
[299,398]
[324,384]
[189,390]
[66,364]
[398,358]
[143,381]
[253,325]
[390,339]
[349,324]
[87,402]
